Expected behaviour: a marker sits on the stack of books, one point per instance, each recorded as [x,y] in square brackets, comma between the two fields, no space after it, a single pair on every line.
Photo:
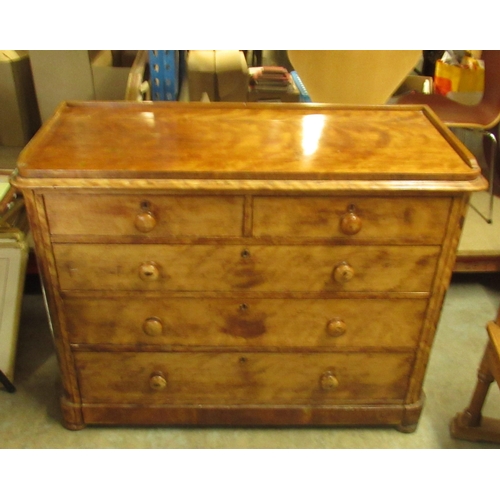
[271,83]
[270,78]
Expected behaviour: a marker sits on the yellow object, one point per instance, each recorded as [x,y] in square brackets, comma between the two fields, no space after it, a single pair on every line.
[463,83]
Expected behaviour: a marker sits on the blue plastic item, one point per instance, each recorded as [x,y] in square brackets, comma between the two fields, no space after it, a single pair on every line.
[166,69]
[304,96]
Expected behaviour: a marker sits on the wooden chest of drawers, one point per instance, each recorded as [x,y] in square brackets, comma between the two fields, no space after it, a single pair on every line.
[220,264]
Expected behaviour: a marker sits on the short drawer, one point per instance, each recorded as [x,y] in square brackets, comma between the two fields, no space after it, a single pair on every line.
[235,378]
[256,268]
[401,219]
[144,215]
[356,323]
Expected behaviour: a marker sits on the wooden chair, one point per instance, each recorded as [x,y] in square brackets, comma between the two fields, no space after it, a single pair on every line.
[138,87]
[483,117]
[470,424]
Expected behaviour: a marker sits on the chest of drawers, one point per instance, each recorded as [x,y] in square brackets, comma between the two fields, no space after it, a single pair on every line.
[229,264]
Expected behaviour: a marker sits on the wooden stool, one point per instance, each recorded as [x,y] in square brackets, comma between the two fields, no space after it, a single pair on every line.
[470,424]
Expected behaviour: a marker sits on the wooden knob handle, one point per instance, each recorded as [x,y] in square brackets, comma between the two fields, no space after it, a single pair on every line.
[157,381]
[336,327]
[145,222]
[153,327]
[329,381]
[350,222]
[343,273]
[149,271]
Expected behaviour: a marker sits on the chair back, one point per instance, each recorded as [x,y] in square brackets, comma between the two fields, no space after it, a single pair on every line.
[491,97]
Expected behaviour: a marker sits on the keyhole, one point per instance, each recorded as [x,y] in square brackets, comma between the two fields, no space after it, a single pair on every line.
[245,254]
[149,271]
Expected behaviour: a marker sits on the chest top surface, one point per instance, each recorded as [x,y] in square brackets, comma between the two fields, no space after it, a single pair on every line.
[245,141]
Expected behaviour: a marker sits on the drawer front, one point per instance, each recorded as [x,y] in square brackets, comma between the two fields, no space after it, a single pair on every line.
[146,216]
[255,268]
[227,322]
[416,220]
[235,378]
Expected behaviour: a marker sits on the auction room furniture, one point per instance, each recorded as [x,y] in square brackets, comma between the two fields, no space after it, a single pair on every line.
[13,261]
[470,424]
[245,264]
[483,117]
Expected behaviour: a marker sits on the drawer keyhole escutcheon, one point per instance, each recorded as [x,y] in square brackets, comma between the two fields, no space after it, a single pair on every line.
[153,327]
[336,327]
[157,381]
[328,381]
[343,273]
[149,271]
[350,222]
[145,221]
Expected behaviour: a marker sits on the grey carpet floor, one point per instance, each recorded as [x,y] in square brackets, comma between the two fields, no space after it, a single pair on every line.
[30,417]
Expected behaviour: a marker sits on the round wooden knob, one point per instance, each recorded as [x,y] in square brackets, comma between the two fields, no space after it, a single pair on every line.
[343,273]
[350,222]
[329,381]
[157,381]
[153,327]
[145,222]
[149,271]
[336,327]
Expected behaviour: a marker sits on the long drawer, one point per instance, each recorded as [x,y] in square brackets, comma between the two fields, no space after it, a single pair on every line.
[257,268]
[234,378]
[402,219]
[357,323]
[148,215]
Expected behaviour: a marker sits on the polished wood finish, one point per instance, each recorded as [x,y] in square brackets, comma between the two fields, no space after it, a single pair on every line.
[243,321]
[201,141]
[146,215]
[248,378]
[483,263]
[471,424]
[409,219]
[265,268]
[244,264]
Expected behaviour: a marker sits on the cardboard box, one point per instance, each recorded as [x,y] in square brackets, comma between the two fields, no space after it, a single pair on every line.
[110,70]
[81,75]
[19,115]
